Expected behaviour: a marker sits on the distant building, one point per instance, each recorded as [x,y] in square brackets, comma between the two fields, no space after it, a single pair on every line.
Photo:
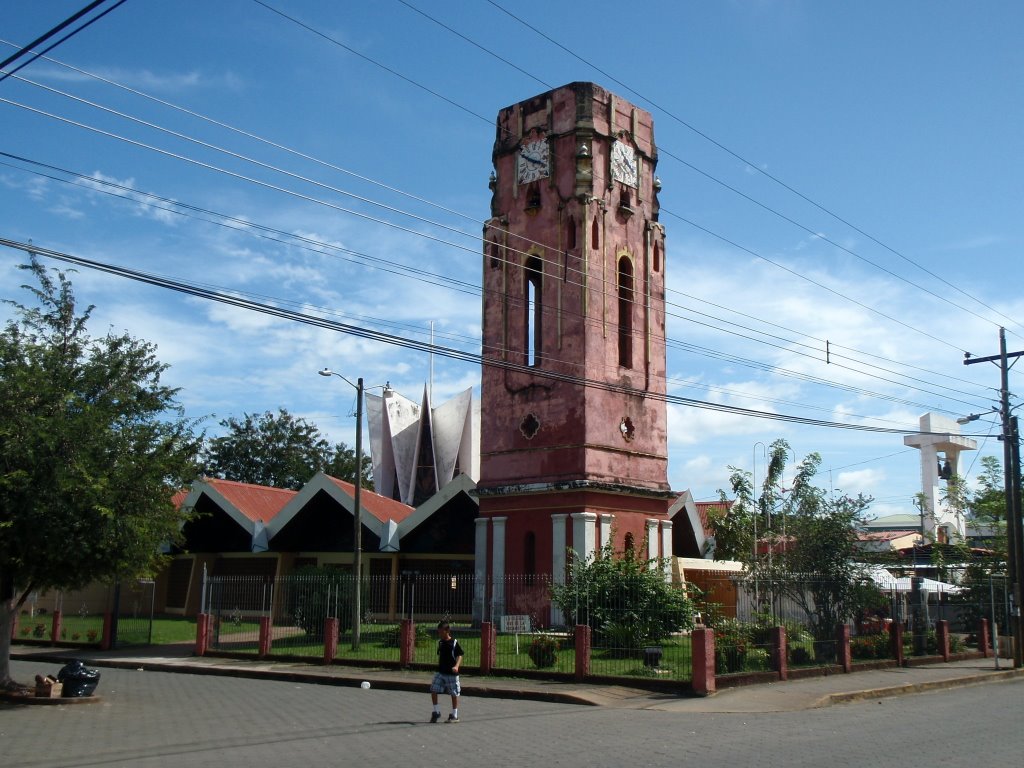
[941,444]
[418,449]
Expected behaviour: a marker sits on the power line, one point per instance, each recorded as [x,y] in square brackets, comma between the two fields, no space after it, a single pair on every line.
[235,300]
[303,155]
[43,38]
[247,226]
[756,167]
[689,165]
[290,174]
[391,208]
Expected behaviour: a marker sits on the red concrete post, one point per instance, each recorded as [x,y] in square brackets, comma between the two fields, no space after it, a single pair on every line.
[406,642]
[702,643]
[896,641]
[942,637]
[780,652]
[264,636]
[330,639]
[984,641]
[488,647]
[202,633]
[55,627]
[582,642]
[843,647]
[107,641]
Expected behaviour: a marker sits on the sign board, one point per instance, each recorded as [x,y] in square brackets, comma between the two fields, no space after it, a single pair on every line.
[515,623]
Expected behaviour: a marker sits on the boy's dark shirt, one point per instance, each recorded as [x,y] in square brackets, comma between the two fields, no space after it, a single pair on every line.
[447,653]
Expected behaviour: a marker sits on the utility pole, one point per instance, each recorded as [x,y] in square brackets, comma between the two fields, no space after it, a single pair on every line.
[1011,473]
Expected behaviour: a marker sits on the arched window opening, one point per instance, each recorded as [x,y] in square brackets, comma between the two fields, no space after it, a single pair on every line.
[530,555]
[628,547]
[533,330]
[657,257]
[492,249]
[570,233]
[595,235]
[625,312]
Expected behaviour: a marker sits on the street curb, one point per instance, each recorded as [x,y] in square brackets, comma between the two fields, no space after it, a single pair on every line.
[910,688]
[312,678]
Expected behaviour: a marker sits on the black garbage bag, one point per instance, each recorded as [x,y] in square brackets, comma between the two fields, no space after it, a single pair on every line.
[77,679]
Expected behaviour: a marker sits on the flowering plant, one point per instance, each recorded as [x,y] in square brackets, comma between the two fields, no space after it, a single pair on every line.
[544,651]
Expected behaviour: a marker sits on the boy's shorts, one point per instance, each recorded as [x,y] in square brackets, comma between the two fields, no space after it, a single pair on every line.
[443,683]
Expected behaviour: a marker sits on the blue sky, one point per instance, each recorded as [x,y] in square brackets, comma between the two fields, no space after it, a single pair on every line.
[895,234]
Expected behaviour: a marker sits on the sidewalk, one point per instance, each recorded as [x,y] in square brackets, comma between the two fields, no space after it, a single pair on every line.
[790,696]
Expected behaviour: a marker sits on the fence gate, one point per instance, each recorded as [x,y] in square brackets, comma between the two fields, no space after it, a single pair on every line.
[133,613]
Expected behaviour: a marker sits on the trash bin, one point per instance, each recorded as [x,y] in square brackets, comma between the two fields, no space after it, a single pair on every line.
[652,656]
[78,680]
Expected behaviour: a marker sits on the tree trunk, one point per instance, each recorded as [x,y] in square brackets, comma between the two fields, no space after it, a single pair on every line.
[8,610]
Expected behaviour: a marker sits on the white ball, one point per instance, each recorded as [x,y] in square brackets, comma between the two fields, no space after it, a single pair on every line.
[364,685]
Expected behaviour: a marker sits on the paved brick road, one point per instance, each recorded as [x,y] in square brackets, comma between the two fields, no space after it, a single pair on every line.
[157,719]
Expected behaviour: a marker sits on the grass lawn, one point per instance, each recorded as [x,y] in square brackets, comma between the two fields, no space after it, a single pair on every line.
[377,645]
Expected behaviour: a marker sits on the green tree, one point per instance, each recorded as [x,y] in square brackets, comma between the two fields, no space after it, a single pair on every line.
[749,516]
[279,450]
[92,447]
[624,598]
[984,578]
[806,547]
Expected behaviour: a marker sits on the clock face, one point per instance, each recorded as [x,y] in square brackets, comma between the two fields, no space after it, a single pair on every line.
[533,161]
[624,164]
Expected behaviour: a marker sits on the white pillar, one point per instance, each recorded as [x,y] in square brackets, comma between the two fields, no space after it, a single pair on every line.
[606,529]
[480,570]
[498,569]
[652,539]
[557,562]
[666,548]
[583,533]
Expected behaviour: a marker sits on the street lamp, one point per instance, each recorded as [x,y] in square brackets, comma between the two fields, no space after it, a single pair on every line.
[357,512]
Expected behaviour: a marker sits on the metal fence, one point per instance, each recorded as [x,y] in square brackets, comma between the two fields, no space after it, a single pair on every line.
[535,621]
[80,615]
[746,608]
[533,632]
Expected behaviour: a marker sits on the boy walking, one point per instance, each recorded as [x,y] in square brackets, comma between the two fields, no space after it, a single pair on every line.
[446,679]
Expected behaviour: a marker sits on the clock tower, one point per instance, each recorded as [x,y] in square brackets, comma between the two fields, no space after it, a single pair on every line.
[573,419]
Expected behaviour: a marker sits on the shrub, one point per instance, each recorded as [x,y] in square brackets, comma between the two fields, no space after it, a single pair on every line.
[799,655]
[91,635]
[873,646]
[758,660]
[543,651]
[624,599]
[393,638]
[318,593]
[39,630]
[732,641]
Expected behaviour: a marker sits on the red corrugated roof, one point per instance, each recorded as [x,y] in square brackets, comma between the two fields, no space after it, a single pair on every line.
[379,506]
[884,535]
[256,502]
[179,498]
[707,508]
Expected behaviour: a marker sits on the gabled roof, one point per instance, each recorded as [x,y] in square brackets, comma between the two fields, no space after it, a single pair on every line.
[378,511]
[379,506]
[697,522]
[707,509]
[461,484]
[250,506]
[256,502]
